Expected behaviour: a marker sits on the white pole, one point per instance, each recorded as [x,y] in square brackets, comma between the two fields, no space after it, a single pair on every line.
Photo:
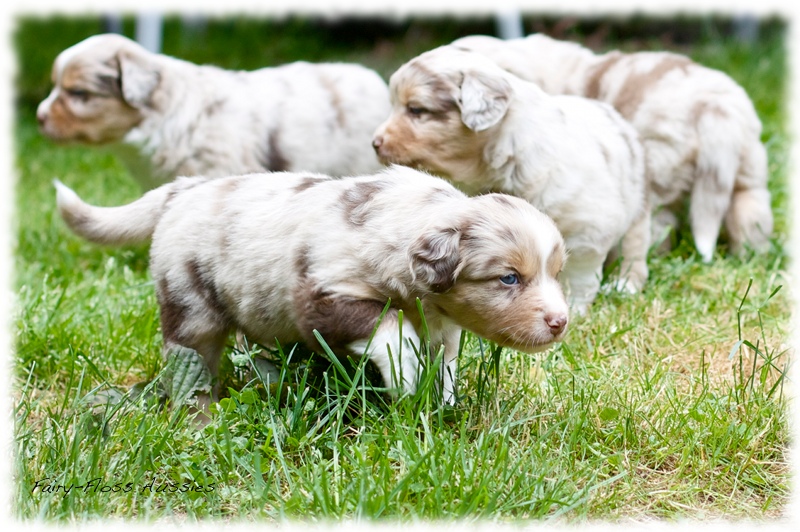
[509,24]
[148,31]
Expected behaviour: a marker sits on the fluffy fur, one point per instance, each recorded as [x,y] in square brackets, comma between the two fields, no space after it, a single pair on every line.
[699,129]
[166,117]
[279,258]
[459,115]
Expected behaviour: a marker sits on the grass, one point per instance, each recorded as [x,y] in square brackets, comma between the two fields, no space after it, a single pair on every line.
[667,404]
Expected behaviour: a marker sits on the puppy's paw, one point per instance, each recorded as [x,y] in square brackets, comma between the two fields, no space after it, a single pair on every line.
[629,286]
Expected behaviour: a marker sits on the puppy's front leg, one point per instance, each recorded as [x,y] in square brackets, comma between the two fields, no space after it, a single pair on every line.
[582,275]
[394,350]
[449,365]
[634,246]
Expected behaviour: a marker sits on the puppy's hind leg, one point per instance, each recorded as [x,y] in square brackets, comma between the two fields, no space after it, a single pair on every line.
[189,322]
[749,221]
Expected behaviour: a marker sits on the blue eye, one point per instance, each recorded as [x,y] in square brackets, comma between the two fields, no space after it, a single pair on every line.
[510,279]
[416,111]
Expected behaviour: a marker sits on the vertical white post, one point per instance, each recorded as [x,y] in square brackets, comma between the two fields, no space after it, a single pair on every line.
[509,24]
[745,27]
[148,31]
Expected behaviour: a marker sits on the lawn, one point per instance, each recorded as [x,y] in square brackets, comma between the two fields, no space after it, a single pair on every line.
[666,404]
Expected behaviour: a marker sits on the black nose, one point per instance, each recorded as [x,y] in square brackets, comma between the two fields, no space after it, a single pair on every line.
[556,322]
[377,142]
[41,118]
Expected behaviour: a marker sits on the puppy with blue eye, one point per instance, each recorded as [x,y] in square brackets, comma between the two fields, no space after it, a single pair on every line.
[460,116]
[282,257]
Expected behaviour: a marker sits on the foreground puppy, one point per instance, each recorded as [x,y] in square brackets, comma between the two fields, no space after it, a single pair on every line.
[700,132]
[279,258]
[459,115]
[166,117]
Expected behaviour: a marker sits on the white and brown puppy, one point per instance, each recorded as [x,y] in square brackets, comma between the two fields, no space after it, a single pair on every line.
[699,129]
[459,115]
[166,117]
[279,258]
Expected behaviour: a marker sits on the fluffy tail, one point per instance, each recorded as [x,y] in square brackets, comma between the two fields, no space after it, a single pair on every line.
[128,224]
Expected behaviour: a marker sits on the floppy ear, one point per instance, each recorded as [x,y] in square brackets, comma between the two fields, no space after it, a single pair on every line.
[139,77]
[435,258]
[484,100]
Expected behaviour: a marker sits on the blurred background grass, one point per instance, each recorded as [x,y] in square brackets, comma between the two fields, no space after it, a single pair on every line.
[382,43]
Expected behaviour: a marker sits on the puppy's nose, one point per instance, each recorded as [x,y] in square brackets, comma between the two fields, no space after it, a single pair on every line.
[41,118]
[556,322]
[377,142]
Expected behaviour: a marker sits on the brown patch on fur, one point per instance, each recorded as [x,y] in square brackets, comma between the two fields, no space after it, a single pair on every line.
[302,262]
[173,313]
[204,286]
[308,182]
[355,201]
[501,199]
[635,87]
[340,321]
[109,85]
[440,90]
[181,185]
[224,188]
[336,100]
[214,106]
[275,161]
[595,76]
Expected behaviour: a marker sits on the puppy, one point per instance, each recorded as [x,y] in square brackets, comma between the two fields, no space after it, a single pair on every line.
[166,117]
[279,258]
[700,132]
[459,115]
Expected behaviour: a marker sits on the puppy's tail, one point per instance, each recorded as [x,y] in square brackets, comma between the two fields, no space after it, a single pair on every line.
[128,224]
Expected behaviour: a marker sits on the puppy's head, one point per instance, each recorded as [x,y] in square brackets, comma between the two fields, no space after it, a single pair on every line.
[102,86]
[495,273]
[443,103]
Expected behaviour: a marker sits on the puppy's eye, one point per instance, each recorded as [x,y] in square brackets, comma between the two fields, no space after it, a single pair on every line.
[80,94]
[416,111]
[510,279]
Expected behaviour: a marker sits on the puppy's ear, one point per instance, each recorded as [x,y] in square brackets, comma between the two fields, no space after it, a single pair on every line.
[484,100]
[435,258]
[139,77]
